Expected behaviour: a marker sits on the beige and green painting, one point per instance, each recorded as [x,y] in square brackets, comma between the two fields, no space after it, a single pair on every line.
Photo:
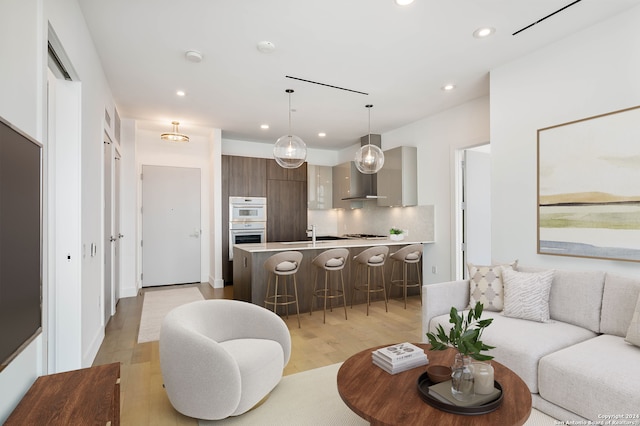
[589,187]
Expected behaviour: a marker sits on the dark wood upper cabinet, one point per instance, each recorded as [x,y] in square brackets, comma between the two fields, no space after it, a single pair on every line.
[286,210]
[286,202]
[247,177]
[274,171]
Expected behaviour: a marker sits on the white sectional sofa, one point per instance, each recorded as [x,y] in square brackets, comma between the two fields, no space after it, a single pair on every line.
[577,365]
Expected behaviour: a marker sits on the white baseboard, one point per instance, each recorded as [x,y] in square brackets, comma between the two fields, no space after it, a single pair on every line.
[128,292]
[216,282]
[92,352]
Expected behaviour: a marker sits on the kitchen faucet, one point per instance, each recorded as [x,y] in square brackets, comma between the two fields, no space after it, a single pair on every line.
[313,233]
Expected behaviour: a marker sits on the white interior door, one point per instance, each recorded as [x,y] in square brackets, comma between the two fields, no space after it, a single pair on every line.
[64,290]
[108,231]
[477,212]
[170,225]
[116,230]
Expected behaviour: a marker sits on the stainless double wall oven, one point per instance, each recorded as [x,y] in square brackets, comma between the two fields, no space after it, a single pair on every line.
[247,221]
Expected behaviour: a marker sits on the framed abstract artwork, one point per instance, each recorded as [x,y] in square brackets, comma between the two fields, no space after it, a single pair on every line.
[589,187]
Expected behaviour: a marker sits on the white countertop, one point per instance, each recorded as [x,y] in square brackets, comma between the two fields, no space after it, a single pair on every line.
[327,244]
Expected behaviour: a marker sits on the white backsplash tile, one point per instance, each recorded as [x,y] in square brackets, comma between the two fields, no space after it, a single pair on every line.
[418,221]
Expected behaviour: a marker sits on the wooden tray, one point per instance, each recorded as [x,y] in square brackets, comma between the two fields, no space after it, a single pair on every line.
[423,389]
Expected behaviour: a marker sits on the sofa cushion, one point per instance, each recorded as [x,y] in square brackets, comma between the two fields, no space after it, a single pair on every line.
[576,298]
[485,285]
[633,333]
[520,343]
[593,378]
[526,294]
[581,291]
[618,302]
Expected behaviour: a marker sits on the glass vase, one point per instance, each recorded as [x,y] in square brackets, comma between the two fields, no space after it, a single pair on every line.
[462,378]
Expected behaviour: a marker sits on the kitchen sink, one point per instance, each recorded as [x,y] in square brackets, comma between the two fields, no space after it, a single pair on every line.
[303,242]
[330,238]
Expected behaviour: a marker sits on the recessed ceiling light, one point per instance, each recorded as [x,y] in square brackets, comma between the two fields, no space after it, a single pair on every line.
[448,87]
[403,2]
[193,56]
[180,93]
[266,46]
[483,32]
[264,126]
[322,134]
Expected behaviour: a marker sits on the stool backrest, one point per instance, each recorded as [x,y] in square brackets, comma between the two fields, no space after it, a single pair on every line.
[293,259]
[414,251]
[379,252]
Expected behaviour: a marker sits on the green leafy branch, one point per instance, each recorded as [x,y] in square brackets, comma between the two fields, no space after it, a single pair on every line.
[465,334]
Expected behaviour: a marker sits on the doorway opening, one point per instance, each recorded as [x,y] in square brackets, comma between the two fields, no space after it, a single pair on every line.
[473,208]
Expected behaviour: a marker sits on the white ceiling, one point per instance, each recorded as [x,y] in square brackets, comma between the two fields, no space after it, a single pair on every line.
[400,56]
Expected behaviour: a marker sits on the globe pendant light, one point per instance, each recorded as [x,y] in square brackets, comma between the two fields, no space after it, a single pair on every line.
[369,158]
[290,151]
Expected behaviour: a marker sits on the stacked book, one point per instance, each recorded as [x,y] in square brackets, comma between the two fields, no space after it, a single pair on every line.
[398,358]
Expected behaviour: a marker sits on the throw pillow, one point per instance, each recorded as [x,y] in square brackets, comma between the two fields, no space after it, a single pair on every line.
[526,294]
[485,285]
[633,333]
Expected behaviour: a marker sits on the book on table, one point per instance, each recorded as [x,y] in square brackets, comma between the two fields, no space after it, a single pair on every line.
[400,366]
[397,358]
[442,392]
[399,352]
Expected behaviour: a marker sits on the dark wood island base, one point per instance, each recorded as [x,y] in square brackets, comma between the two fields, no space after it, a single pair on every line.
[250,277]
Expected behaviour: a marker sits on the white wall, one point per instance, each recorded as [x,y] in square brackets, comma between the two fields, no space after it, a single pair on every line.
[22,104]
[437,138]
[68,23]
[321,157]
[589,73]
[152,151]
[23,39]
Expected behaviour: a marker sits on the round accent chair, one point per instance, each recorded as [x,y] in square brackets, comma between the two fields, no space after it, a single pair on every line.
[220,357]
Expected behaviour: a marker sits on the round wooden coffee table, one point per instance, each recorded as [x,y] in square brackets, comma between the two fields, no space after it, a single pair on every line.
[385,399]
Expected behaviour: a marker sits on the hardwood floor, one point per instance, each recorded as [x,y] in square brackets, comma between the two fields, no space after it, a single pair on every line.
[143,399]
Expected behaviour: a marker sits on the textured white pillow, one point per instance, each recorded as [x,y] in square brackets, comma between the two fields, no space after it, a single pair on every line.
[485,285]
[633,333]
[526,294]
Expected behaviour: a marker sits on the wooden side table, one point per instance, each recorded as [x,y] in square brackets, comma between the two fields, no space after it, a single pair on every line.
[385,399]
[90,396]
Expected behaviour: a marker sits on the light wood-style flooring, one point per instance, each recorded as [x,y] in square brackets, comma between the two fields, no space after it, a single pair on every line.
[143,399]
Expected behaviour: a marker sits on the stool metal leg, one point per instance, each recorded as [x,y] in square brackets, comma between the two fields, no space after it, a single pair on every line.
[344,297]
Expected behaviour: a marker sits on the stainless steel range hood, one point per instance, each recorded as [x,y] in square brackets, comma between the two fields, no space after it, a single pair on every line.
[365,187]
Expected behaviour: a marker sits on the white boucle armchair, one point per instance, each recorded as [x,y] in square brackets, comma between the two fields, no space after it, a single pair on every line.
[219,358]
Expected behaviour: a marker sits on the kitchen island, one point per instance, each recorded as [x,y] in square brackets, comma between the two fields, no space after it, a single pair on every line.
[250,277]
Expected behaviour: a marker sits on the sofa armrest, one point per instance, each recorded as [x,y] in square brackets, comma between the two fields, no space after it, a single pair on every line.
[437,299]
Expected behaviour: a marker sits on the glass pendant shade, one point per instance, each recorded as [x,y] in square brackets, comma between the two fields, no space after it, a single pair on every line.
[369,158]
[290,151]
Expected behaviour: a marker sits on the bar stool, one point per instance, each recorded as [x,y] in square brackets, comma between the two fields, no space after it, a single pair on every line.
[284,264]
[332,260]
[408,255]
[372,259]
